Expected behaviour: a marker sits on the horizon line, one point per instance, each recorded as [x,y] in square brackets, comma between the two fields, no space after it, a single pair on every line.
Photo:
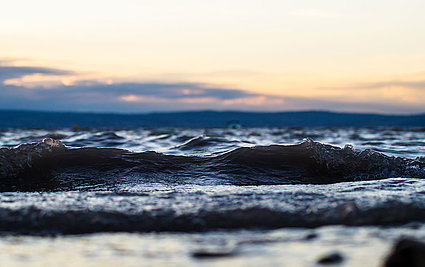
[212,111]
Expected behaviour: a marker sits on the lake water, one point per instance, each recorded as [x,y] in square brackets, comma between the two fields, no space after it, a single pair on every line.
[212,197]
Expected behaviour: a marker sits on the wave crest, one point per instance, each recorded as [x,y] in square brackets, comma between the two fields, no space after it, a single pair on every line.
[50,165]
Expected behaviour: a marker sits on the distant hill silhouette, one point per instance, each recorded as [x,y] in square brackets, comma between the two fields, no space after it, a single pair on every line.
[37,119]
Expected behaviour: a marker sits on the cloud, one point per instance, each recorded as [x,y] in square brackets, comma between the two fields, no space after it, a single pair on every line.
[408,84]
[91,95]
[136,97]
[11,72]
[162,90]
[418,85]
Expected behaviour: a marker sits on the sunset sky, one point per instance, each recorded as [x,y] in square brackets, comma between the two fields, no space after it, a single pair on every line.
[163,55]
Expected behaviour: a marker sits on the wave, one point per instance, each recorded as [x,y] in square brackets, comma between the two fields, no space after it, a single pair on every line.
[201,142]
[50,165]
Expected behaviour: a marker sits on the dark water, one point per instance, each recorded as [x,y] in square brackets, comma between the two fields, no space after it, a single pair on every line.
[229,186]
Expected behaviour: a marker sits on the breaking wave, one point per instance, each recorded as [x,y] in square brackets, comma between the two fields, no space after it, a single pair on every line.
[50,165]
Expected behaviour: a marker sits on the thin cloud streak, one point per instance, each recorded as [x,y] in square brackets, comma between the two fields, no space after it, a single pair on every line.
[409,84]
[381,84]
[12,72]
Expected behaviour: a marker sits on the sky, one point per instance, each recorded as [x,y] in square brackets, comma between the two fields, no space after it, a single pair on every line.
[136,56]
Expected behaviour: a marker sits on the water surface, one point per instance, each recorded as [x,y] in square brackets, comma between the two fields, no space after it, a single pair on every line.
[190,197]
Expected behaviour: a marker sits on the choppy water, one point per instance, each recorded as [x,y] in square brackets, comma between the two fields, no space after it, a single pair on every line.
[247,196]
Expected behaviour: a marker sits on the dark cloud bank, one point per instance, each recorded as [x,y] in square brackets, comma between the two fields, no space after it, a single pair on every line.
[141,97]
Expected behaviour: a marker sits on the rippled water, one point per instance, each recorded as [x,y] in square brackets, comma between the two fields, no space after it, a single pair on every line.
[405,142]
[186,197]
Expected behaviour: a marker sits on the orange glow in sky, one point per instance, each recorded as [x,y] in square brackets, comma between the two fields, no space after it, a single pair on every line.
[363,52]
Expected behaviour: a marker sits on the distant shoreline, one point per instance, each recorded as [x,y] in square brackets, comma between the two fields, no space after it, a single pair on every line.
[204,119]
